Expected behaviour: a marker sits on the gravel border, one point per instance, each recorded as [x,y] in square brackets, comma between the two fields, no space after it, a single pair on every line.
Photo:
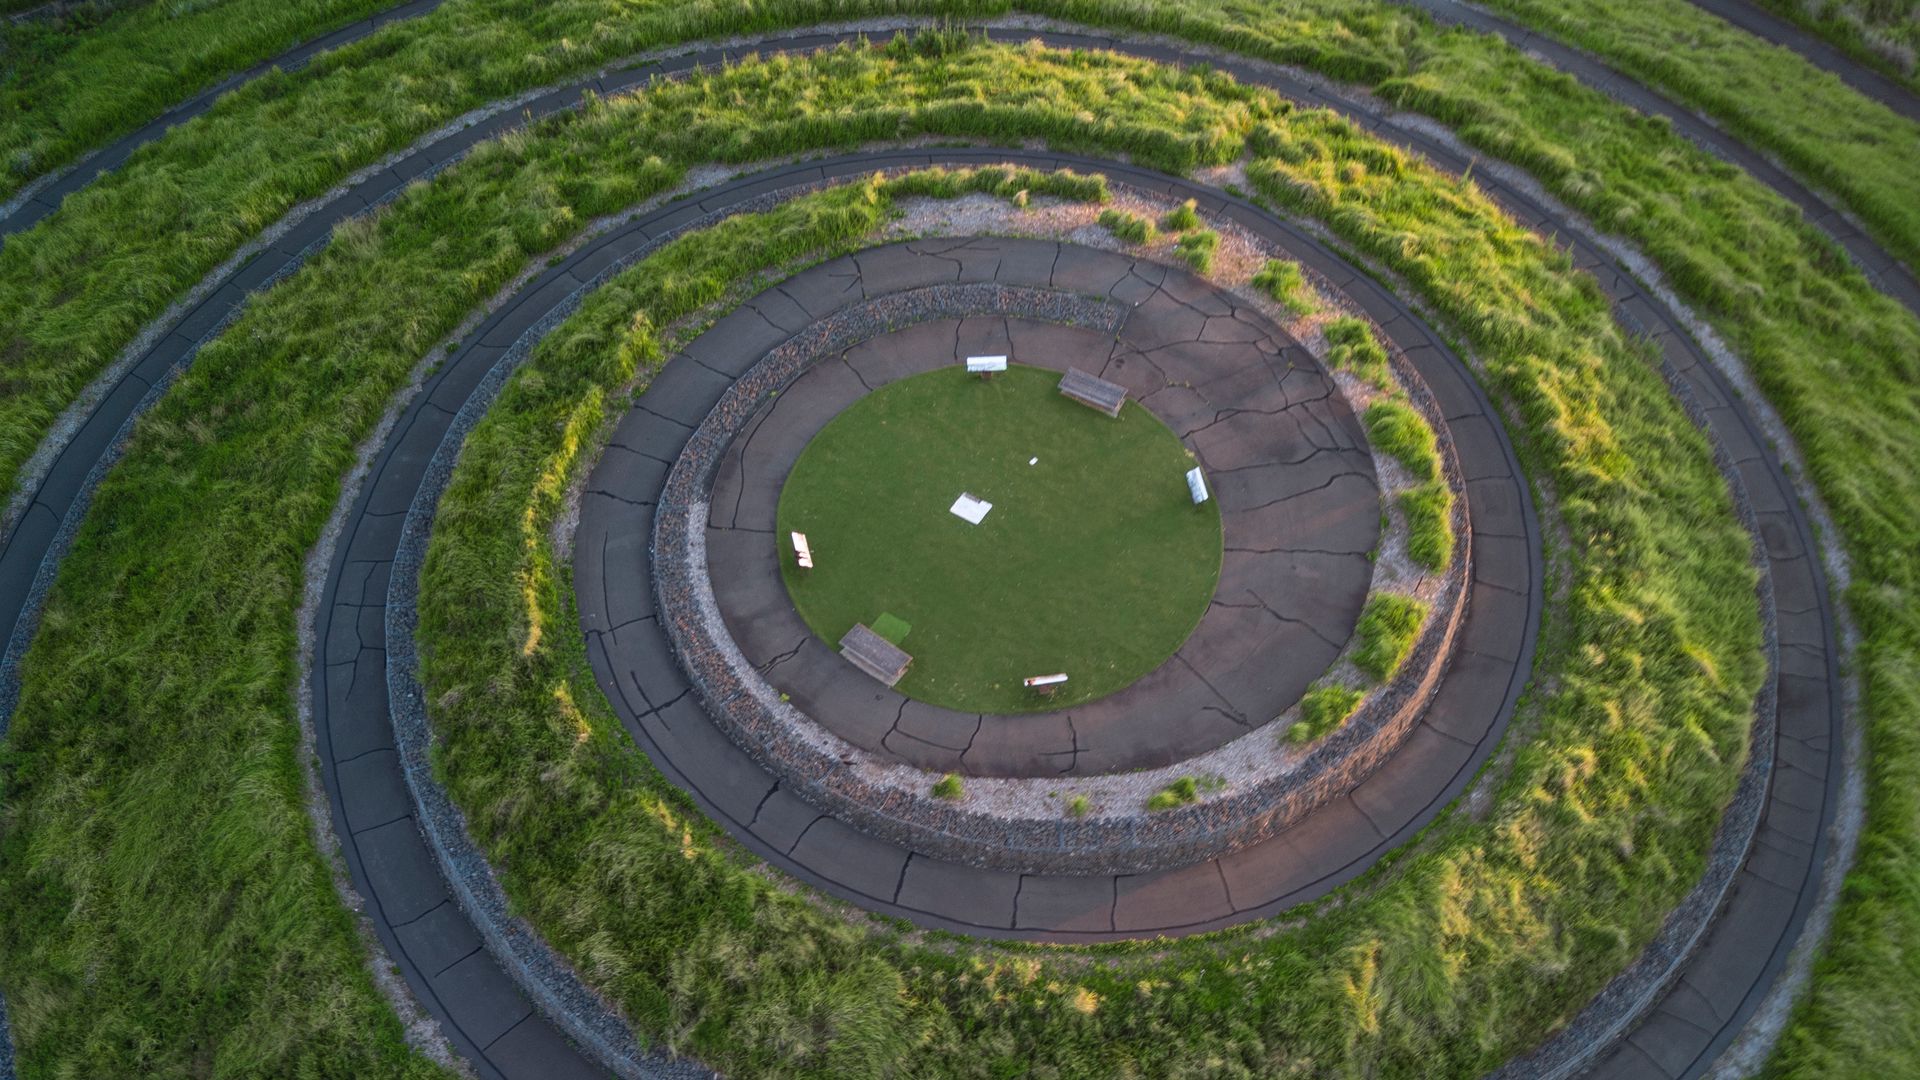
[893,801]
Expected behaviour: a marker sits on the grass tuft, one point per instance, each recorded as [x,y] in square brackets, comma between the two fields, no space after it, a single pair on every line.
[1182,218]
[1387,628]
[1282,280]
[1182,792]
[1404,434]
[949,788]
[1197,248]
[1128,227]
[1324,708]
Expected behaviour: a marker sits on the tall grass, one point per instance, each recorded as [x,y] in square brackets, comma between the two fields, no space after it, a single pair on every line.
[69,84]
[1836,357]
[1769,96]
[162,909]
[1880,33]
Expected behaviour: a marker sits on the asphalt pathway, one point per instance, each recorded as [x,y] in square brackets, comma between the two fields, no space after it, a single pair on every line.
[114,154]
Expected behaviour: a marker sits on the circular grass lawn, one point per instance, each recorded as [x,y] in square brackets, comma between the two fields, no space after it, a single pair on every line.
[1093,561]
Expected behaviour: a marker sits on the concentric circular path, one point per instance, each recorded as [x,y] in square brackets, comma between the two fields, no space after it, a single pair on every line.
[1718,988]
[352,708]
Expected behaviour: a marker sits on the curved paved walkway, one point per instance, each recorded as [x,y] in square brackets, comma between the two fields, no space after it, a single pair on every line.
[1285,456]
[111,156]
[1888,274]
[399,876]
[1809,654]
[633,662]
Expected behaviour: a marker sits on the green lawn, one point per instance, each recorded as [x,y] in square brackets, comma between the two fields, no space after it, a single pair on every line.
[1094,561]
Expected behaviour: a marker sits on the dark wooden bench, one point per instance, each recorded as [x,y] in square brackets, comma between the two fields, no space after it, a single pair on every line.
[874,654]
[1093,391]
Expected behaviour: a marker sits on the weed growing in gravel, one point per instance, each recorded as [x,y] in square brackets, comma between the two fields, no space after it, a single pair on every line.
[1282,280]
[1128,227]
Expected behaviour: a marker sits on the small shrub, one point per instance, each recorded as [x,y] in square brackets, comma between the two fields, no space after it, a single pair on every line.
[1351,346]
[1131,228]
[950,788]
[1077,806]
[1197,249]
[1429,533]
[1324,708]
[1181,218]
[1405,435]
[1387,628]
[1179,793]
[1282,280]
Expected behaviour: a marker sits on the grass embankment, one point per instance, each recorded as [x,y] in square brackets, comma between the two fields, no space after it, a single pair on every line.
[1837,358]
[1769,96]
[1093,561]
[1884,34]
[1814,331]
[1413,977]
[73,82]
[154,832]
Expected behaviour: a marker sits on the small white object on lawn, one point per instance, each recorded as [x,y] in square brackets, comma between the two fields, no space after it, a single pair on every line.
[1033,461]
[1045,680]
[1196,485]
[972,510]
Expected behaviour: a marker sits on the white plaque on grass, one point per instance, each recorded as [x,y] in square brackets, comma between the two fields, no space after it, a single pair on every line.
[973,510]
[980,365]
[1196,485]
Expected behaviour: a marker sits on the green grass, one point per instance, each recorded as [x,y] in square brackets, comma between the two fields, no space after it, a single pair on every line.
[1660,624]
[1128,227]
[1881,33]
[1196,249]
[1351,346]
[55,103]
[77,287]
[1281,279]
[1771,98]
[1428,510]
[949,788]
[300,379]
[1182,792]
[1834,356]
[1404,434]
[117,881]
[1093,561]
[1386,631]
[1182,218]
[892,627]
[1323,709]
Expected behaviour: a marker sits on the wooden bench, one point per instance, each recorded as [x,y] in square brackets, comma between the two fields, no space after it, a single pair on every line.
[874,654]
[802,554]
[1093,391]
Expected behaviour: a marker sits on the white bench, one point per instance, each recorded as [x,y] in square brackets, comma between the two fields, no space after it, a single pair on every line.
[1197,485]
[985,366]
[1044,685]
[802,554]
